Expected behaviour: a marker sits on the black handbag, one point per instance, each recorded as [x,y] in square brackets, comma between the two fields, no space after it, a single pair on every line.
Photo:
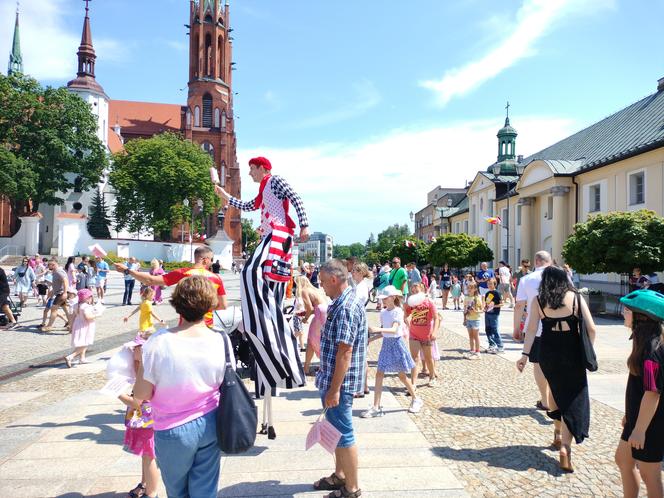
[587,349]
[237,415]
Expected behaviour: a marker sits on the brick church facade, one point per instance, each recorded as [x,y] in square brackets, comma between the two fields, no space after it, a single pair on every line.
[207,118]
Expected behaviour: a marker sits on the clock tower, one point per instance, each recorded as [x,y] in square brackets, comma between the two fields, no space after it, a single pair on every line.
[209,119]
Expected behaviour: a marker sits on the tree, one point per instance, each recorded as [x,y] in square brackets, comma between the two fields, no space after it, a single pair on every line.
[617,242]
[153,176]
[48,141]
[459,250]
[250,236]
[410,250]
[390,236]
[341,251]
[99,221]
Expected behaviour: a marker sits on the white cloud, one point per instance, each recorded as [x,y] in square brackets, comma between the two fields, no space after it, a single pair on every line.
[534,19]
[48,46]
[366,96]
[351,190]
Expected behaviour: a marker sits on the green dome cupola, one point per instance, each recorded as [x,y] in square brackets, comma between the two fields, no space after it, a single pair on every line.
[507,139]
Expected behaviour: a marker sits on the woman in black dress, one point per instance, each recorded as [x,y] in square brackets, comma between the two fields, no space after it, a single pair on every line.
[445,284]
[560,357]
[641,448]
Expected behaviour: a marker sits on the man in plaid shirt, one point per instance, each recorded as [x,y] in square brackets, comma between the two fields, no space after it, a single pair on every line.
[342,360]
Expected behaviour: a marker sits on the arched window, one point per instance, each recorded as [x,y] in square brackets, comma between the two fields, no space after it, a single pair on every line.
[217,117]
[207,111]
[220,58]
[222,176]
[208,55]
[209,148]
[197,117]
[223,120]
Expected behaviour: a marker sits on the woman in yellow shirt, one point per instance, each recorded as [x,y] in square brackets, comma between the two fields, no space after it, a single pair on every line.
[473,307]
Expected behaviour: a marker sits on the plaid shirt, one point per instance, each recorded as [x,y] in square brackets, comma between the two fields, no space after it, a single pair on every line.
[346,322]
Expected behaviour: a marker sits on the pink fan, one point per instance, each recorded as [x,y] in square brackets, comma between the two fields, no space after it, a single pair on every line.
[97,250]
[214,176]
[323,433]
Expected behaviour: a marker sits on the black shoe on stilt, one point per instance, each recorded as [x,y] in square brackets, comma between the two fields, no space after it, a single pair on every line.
[263,429]
[270,433]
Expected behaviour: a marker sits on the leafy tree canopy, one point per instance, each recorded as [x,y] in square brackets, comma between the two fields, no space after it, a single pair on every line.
[410,250]
[617,242]
[459,250]
[250,236]
[153,176]
[390,236]
[48,138]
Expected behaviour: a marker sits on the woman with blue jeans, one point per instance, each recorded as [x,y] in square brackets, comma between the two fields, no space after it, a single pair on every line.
[180,373]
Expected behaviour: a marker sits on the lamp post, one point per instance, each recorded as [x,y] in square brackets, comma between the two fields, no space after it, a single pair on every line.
[412,218]
[185,203]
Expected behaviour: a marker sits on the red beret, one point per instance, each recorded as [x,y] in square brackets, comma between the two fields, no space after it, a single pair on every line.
[261,161]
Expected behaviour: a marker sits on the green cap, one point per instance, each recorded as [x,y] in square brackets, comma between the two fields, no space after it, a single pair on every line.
[648,302]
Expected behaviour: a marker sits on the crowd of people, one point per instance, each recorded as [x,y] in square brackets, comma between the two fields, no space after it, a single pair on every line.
[171,410]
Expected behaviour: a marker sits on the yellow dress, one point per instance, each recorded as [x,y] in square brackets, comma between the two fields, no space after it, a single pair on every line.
[145,323]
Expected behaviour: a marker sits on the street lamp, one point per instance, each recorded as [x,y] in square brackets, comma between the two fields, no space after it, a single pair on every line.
[185,203]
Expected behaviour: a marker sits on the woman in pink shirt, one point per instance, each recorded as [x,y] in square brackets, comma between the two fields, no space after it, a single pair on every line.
[180,373]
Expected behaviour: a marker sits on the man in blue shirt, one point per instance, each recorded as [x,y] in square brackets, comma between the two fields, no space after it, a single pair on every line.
[483,277]
[342,369]
[102,273]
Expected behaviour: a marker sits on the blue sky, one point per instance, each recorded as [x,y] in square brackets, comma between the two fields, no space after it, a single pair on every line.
[365,106]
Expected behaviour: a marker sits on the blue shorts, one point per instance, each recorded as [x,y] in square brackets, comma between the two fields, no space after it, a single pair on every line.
[341,417]
[472,324]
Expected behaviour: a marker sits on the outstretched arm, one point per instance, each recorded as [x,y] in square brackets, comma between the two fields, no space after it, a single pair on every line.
[142,277]
[233,201]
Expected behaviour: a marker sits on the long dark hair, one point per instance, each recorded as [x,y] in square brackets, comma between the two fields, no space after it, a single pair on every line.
[70,261]
[554,286]
[647,335]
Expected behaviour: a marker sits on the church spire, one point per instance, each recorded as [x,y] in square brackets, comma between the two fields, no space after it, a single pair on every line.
[15,56]
[506,138]
[85,76]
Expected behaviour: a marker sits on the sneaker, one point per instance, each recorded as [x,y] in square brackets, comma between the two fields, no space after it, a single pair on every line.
[501,349]
[374,412]
[475,355]
[12,326]
[492,350]
[416,405]
[468,354]
[433,382]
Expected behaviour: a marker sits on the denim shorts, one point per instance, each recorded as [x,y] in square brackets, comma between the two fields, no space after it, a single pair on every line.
[472,324]
[341,417]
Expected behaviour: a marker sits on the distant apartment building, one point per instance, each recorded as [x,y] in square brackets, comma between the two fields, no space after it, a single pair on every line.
[428,220]
[318,249]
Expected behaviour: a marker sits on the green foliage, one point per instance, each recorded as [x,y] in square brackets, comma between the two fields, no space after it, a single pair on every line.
[153,176]
[389,237]
[112,257]
[459,250]
[250,236]
[617,242]
[48,137]
[341,252]
[418,252]
[99,221]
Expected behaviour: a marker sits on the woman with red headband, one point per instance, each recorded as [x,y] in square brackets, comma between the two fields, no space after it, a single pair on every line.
[263,283]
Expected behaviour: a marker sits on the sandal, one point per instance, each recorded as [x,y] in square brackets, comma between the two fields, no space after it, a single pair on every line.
[137,492]
[344,493]
[329,483]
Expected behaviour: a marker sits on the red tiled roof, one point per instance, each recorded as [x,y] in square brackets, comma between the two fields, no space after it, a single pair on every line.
[77,216]
[144,118]
[114,142]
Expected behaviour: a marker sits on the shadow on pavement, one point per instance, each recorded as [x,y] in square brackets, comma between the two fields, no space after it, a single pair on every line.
[102,421]
[101,495]
[496,412]
[518,457]
[276,489]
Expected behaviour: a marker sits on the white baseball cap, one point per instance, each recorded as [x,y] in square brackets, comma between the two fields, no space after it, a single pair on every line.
[388,291]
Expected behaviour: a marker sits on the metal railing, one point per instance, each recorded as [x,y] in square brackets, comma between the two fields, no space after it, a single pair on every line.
[11,251]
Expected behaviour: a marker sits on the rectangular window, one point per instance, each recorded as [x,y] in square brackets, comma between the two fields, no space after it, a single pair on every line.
[465,226]
[505,220]
[595,198]
[637,188]
[549,208]
[518,215]
[505,251]
[457,227]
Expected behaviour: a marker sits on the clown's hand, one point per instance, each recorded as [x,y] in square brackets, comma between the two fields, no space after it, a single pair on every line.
[304,234]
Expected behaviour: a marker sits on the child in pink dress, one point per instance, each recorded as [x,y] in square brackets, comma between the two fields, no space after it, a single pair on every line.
[82,326]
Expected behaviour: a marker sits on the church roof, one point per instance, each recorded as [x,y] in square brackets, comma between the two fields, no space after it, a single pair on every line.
[114,142]
[144,119]
[633,130]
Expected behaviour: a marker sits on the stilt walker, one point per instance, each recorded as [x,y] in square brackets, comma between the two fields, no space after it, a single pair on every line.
[263,285]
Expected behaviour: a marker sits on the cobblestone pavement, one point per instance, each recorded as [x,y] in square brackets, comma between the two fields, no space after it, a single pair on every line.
[27,345]
[481,421]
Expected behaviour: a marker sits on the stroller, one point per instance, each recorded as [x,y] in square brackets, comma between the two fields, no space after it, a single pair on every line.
[230,322]
[15,309]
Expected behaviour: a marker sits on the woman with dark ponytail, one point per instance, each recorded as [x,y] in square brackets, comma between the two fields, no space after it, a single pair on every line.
[641,448]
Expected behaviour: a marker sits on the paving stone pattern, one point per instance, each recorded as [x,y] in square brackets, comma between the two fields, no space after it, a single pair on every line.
[481,421]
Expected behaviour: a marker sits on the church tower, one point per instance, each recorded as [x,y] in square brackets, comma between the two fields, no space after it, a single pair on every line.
[15,56]
[85,84]
[506,163]
[209,113]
